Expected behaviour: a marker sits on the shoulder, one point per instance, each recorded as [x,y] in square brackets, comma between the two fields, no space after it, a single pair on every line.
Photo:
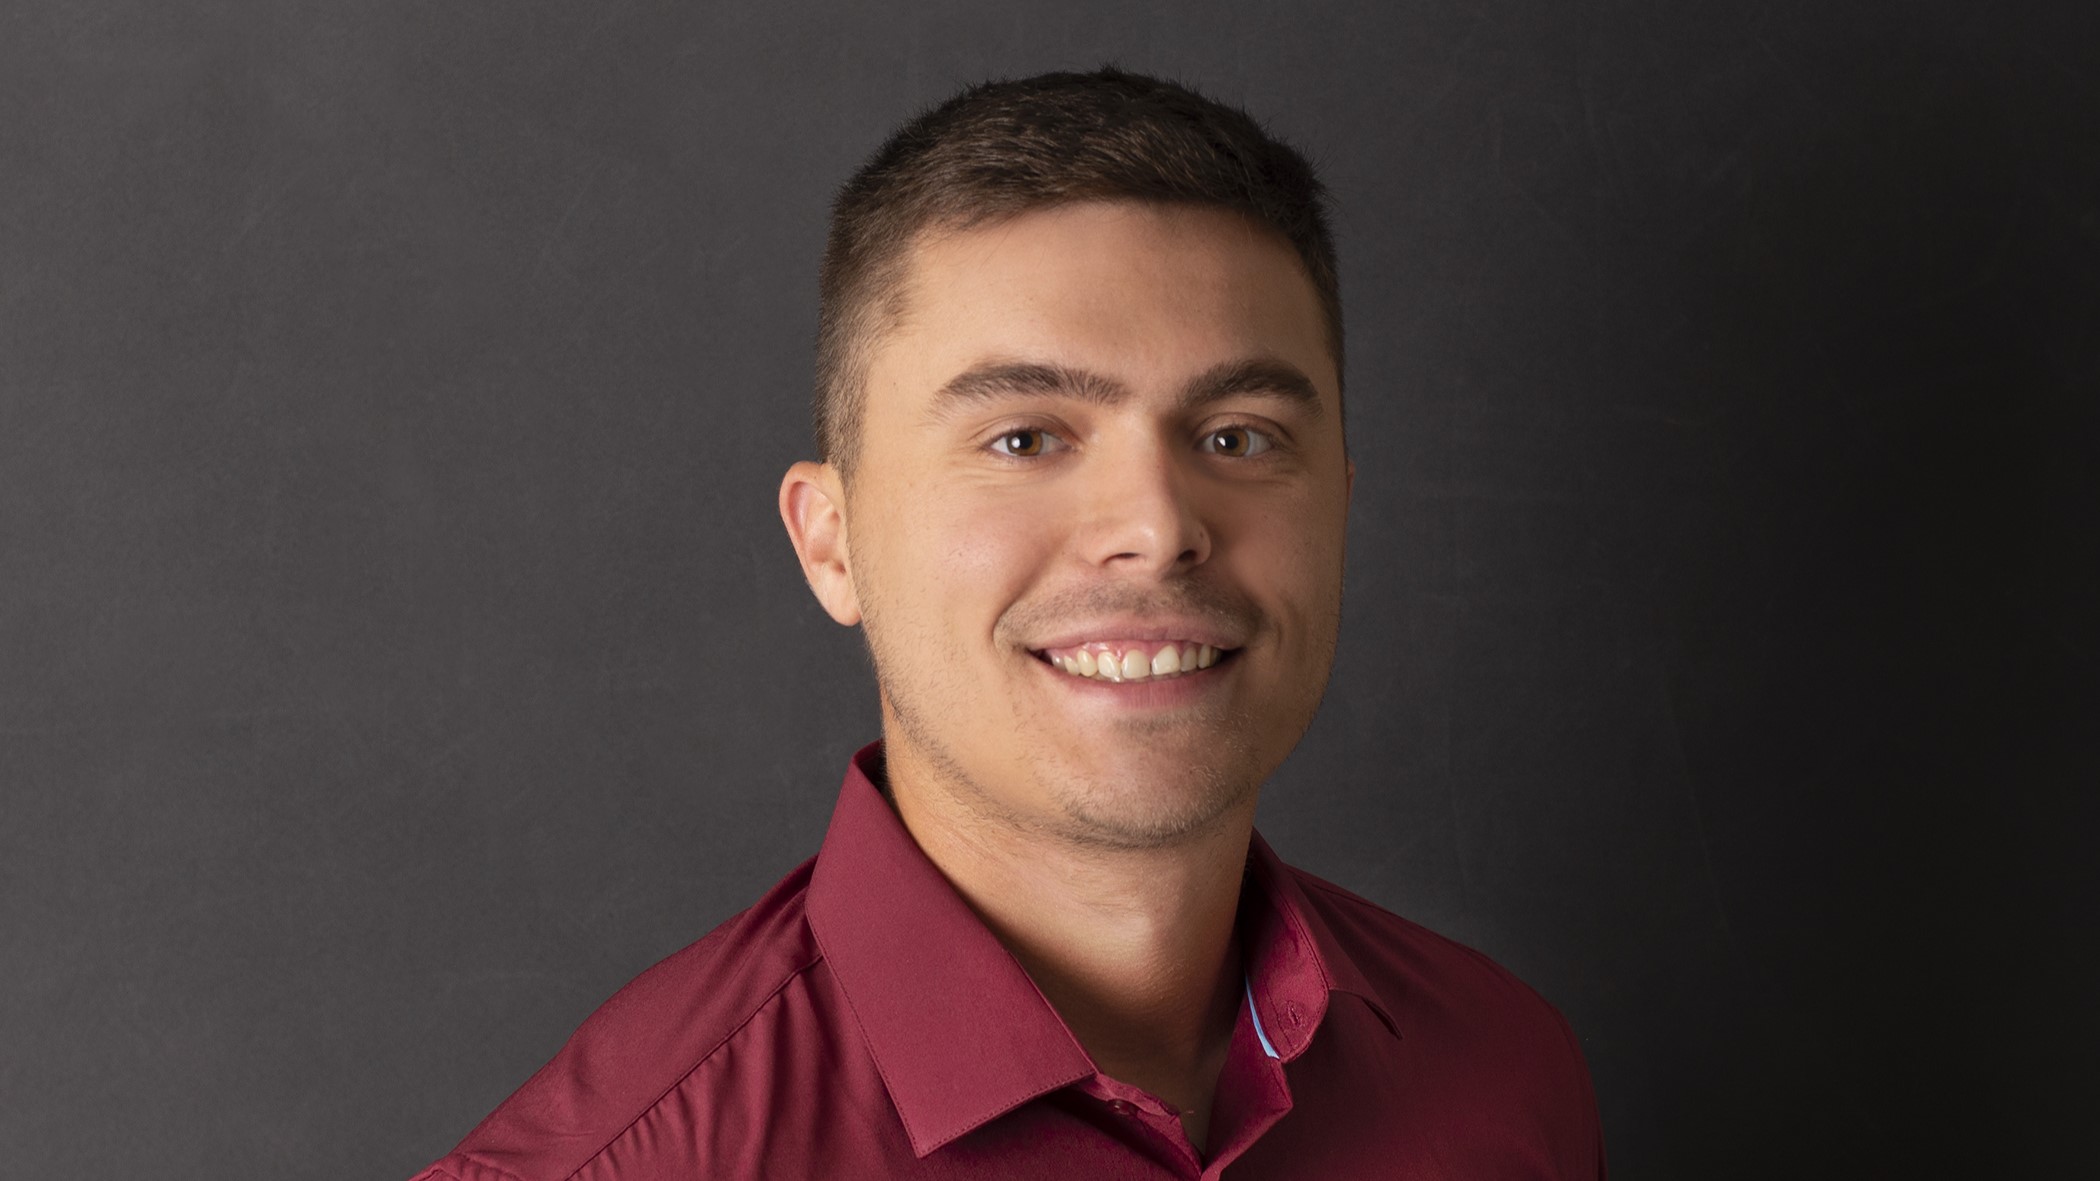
[1430,982]
[1485,1062]
[643,1045]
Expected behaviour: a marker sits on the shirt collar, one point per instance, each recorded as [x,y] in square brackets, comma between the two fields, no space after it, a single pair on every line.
[1295,961]
[958,1031]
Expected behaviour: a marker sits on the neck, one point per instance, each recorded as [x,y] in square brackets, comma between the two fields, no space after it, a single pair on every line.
[1134,948]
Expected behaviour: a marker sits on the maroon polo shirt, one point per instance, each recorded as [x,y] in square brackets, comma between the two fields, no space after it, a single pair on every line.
[860,1021]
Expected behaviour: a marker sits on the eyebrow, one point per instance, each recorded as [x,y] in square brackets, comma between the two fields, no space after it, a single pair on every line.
[989,380]
[1260,376]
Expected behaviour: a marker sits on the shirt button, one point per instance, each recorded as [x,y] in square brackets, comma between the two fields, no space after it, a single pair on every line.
[1121,1107]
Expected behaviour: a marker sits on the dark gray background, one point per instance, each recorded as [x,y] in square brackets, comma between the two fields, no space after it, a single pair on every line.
[399,650]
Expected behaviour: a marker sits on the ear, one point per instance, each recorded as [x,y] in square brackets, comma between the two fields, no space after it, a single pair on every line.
[813,507]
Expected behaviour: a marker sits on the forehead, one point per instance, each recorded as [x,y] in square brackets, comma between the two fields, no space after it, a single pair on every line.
[1149,294]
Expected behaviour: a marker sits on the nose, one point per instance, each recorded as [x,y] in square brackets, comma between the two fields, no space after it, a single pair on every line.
[1143,513]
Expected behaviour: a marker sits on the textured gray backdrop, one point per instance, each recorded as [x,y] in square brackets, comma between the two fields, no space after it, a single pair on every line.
[399,650]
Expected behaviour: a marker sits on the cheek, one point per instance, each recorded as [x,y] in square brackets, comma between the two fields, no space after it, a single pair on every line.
[968,557]
[1291,556]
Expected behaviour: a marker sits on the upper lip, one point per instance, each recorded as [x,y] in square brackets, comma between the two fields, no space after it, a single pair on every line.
[1146,628]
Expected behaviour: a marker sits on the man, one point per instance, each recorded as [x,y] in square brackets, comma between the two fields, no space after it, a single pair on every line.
[1083,489]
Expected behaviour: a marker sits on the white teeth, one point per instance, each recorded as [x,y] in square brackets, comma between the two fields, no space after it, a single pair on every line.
[1172,660]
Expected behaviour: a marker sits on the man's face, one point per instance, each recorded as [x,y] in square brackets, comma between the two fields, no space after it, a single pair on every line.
[1101,433]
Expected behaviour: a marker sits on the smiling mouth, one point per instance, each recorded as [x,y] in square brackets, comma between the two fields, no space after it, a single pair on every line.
[1120,662]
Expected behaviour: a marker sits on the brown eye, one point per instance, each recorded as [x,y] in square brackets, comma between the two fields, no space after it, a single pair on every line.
[1236,442]
[1022,444]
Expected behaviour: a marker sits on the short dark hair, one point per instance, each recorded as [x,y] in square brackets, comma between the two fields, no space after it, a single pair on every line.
[1000,149]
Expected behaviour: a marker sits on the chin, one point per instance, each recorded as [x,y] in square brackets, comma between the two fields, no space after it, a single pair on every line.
[1150,802]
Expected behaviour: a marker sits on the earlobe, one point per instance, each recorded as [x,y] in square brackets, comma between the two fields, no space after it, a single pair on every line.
[813,507]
